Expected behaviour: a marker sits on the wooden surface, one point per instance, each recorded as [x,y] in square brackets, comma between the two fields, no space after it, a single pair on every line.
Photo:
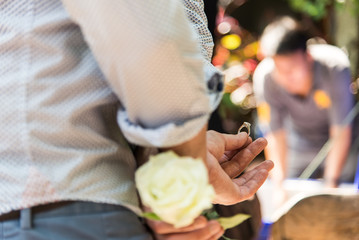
[319,217]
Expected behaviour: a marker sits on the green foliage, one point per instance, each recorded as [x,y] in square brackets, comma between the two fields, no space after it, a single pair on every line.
[230,222]
[226,222]
[356,7]
[314,8]
[317,9]
[151,216]
[210,214]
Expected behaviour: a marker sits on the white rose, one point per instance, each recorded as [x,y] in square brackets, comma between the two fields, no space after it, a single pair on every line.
[175,188]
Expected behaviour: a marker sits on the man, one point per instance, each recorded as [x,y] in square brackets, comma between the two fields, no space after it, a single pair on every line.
[303,96]
[72,71]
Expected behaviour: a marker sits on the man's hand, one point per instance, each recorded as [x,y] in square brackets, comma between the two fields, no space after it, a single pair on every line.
[200,229]
[227,157]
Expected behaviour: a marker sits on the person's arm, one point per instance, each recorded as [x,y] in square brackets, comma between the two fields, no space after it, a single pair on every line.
[341,105]
[271,114]
[196,147]
[149,53]
[338,154]
[277,152]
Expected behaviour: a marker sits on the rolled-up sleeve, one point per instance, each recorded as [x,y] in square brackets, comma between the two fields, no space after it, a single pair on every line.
[150,56]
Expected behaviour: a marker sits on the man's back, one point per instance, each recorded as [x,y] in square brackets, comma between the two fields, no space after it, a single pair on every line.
[58,120]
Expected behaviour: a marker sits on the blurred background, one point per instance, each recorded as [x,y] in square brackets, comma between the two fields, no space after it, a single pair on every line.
[236,26]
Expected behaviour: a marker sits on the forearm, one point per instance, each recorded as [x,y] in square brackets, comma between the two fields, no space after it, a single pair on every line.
[338,154]
[277,151]
[195,147]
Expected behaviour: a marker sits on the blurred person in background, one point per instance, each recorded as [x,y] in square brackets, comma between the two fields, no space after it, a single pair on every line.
[303,98]
[83,82]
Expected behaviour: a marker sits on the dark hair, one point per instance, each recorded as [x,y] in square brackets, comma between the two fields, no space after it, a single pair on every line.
[291,42]
[283,36]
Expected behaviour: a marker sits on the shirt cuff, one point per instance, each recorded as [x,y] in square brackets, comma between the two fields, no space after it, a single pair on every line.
[168,135]
[172,134]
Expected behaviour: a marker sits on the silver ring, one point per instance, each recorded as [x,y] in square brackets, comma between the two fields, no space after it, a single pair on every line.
[246,125]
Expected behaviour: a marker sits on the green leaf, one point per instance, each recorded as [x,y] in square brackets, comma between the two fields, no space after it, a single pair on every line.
[229,222]
[151,216]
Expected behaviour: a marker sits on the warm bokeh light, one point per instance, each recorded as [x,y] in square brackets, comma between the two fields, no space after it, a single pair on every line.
[240,94]
[231,41]
[251,50]
[234,74]
[222,54]
[224,28]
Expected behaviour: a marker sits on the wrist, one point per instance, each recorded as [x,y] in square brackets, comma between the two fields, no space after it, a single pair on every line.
[195,147]
[331,181]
